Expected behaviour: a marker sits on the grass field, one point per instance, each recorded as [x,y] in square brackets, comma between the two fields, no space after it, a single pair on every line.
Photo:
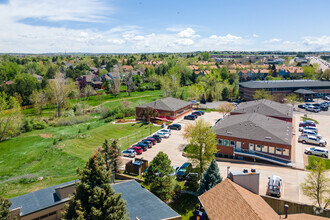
[32,154]
[313,159]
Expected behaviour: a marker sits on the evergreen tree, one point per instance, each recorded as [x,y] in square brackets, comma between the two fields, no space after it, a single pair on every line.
[4,208]
[225,93]
[111,154]
[94,197]
[210,178]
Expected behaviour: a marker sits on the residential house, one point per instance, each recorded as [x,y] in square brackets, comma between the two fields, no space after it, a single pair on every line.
[48,203]
[255,136]
[167,108]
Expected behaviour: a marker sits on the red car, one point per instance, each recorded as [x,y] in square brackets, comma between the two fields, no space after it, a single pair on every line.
[137,149]
[153,140]
[307,123]
[195,115]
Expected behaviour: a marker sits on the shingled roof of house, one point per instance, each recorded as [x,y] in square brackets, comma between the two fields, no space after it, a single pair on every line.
[253,126]
[265,107]
[228,200]
[166,104]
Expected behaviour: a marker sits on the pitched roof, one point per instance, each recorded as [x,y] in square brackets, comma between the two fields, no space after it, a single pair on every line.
[304,91]
[167,104]
[255,126]
[38,200]
[228,200]
[265,107]
[284,84]
[142,203]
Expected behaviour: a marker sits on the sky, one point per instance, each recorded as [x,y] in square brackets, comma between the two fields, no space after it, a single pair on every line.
[143,26]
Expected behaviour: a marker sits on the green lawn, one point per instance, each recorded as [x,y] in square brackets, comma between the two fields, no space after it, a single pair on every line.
[185,205]
[313,159]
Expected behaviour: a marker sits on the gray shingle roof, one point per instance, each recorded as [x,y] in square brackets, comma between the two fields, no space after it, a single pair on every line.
[255,126]
[167,104]
[285,84]
[265,107]
[142,203]
[38,200]
[304,91]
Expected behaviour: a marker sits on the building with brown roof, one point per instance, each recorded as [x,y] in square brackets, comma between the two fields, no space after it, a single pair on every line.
[228,200]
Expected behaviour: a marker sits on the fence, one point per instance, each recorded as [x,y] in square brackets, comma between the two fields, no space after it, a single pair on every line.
[294,208]
[127,141]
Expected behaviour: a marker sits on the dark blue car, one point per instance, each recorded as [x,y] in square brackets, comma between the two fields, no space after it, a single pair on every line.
[182,172]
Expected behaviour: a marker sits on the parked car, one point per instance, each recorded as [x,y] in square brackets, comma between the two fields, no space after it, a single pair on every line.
[313,109]
[195,115]
[189,117]
[157,138]
[274,186]
[138,150]
[128,153]
[163,134]
[175,168]
[317,151]
[198,113]
[308,128]
[142,145]
[153,140]
[165,131]
[202,112]
[311,132]
[174,127]
[310,139]
[182,172]
[307,123]
[149,143]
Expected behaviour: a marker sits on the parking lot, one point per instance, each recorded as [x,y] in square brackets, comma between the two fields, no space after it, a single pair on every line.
[292,178]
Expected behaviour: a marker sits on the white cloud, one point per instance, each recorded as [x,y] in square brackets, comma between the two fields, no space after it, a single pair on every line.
[188,33]
[185,42]
[227,39]
[255,35]
[273,40]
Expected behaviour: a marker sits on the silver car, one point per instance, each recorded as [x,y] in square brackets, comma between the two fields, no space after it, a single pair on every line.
[308,128]
[274,186]
[128,153]
[317,151]
[311,139]
[311,132]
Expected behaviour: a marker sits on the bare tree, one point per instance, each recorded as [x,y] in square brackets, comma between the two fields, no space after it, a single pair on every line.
[148,113]
[89,91]
[39,99]
[225,108]
[115,84]
[130,86]
[58,91]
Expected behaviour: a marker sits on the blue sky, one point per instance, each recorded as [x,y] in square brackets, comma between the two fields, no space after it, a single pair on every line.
[108,26]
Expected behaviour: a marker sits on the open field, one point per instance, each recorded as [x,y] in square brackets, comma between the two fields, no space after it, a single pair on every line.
[31,155]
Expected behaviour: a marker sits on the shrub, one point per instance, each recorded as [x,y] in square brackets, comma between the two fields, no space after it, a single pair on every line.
[27,180]
[119,115]
[68,113]
[54,142]
[30,124]
[118,110]
[109,119]
[61,138]
[88,127]
[71,120]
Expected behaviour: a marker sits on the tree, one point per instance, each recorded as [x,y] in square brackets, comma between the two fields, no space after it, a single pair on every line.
[51,72]
[58,91]
[225,93]
[157,176]
[10,116]
[225,108]
[262,94]
[89,91]
[316,185]
[130,85]
[202,143]
[326,74]
[292,98]
[148,113]
[24,85]
[205,56]
[4,208]
[224,73]
[94,197]
[210,178]
[38,99]
[308,72]
[111,154]
[115,85]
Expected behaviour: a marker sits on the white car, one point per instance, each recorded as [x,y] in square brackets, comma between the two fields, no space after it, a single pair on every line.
[165,131]
[311,139]
[311,132]
[308,128]
[317,151]
[163,134]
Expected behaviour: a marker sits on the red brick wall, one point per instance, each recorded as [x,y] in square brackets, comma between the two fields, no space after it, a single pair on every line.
[170,115]
[245,145]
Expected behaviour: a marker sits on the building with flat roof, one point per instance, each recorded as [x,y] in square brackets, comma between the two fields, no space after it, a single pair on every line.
[248,89]
[265,107]
[48,203]
[167,108]
[257,136]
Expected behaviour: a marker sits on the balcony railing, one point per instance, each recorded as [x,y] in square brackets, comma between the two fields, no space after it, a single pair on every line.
[263,155]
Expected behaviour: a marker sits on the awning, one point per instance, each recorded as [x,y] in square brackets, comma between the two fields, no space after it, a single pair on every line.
[305,92]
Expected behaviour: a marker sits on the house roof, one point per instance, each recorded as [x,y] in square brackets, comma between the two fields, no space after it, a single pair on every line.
[284,84]
[142,203]
[38,200]
[304,91]
[255,126]
[167,104]
[265,107]
[228,200]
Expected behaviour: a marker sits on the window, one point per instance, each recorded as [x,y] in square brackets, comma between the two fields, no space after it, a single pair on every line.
[220,142]
[258,147]
[264,149]
[285,152]
[226,143]
[279,151]
[232,143]
[271,150]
